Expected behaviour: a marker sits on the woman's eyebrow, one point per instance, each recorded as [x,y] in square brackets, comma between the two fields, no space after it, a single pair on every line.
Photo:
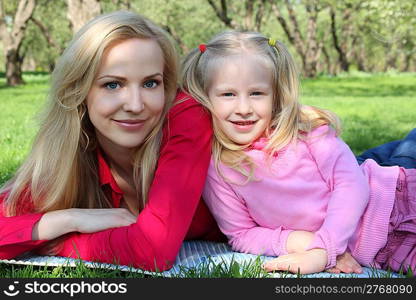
[123,78]
[110,76]
[154,75]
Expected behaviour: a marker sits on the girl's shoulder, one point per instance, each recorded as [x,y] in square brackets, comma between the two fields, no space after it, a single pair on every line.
[320,133]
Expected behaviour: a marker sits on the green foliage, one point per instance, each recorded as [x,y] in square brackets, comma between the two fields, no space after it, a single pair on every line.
[379,33]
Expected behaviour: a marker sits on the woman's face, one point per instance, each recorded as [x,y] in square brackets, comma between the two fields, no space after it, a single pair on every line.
[127,96]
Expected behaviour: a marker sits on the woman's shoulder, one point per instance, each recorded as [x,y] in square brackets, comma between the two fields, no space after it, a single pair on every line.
[187,106]
[183,99]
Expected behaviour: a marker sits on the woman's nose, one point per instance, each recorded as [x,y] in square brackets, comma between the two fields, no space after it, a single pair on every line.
[134,101]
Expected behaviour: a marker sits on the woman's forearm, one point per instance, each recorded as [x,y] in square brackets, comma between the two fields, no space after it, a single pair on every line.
[53,224]
[86,220]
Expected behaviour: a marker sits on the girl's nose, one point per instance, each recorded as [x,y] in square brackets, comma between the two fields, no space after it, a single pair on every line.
[244,106]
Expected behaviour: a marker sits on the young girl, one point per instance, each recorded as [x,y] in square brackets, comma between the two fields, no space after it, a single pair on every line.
[281,182]
[92,166]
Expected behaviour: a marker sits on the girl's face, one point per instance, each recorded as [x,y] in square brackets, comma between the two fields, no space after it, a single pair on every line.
[242,97]
[127,97]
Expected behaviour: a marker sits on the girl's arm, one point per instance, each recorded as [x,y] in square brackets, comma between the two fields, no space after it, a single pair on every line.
[349,190]
[233,217]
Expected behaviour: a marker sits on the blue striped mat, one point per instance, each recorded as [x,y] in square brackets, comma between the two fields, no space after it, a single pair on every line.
[191,255]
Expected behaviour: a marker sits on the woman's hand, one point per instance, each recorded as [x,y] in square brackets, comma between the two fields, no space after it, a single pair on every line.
[56,223]
[311,261]
[346,264]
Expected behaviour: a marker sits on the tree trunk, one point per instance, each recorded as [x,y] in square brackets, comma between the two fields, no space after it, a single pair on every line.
[13,40]
[81,11]
[329,69]
[253,14]
[361,59]
[313,49]
[342,57]
[309,49]
[13,68]
[407,61]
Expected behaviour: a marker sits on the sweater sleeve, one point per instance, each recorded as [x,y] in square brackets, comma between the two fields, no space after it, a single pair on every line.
[349,190]
[233,217]
[153,242]
[16,233]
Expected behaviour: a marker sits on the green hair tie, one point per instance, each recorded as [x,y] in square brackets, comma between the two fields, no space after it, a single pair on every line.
[272,42]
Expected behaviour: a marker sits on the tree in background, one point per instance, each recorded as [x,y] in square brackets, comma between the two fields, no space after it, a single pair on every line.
[81,11]
[46,36]
[325,36]
[12,39]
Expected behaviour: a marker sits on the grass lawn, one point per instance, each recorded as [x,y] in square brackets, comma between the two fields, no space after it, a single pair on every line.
[374,109]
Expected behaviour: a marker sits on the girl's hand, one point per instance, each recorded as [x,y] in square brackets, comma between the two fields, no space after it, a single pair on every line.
[346,264]
[56,223]
[298,241]
[311,261]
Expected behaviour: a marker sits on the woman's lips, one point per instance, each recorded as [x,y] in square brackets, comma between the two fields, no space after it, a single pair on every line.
[130,124]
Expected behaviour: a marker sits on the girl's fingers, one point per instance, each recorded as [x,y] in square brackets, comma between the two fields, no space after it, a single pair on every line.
[273,265]
[358,269]
[334,270]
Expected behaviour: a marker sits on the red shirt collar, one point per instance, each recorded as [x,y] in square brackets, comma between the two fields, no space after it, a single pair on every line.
[107,179]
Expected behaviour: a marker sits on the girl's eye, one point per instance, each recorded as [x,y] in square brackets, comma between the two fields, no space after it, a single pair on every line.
[228,94]
[256,93]
[151,84]
[112,85]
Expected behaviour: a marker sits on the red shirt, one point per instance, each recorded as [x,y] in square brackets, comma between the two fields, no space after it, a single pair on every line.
[173,212]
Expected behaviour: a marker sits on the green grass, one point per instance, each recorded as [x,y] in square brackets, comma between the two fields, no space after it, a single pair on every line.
[374,109]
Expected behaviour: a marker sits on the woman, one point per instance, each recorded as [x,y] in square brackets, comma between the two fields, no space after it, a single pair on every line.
[92,186]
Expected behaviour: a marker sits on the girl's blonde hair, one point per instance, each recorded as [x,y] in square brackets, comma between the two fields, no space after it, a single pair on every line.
[290,120]
[61,171]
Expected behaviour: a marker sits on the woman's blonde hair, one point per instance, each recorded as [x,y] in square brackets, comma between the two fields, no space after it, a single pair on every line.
[290,120]
[61,171]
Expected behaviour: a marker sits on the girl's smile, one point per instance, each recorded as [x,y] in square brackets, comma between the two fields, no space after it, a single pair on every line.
[241,94]
[243,126]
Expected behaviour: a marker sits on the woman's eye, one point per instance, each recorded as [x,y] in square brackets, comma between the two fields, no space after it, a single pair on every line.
[150,84]
[112,85]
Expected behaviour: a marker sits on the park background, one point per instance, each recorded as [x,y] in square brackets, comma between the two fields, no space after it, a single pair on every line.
[355,57]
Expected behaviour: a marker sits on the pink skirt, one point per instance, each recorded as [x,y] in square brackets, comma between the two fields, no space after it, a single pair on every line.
[399,253]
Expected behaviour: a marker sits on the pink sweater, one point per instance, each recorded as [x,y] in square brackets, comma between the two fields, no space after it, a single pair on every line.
[314,185]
